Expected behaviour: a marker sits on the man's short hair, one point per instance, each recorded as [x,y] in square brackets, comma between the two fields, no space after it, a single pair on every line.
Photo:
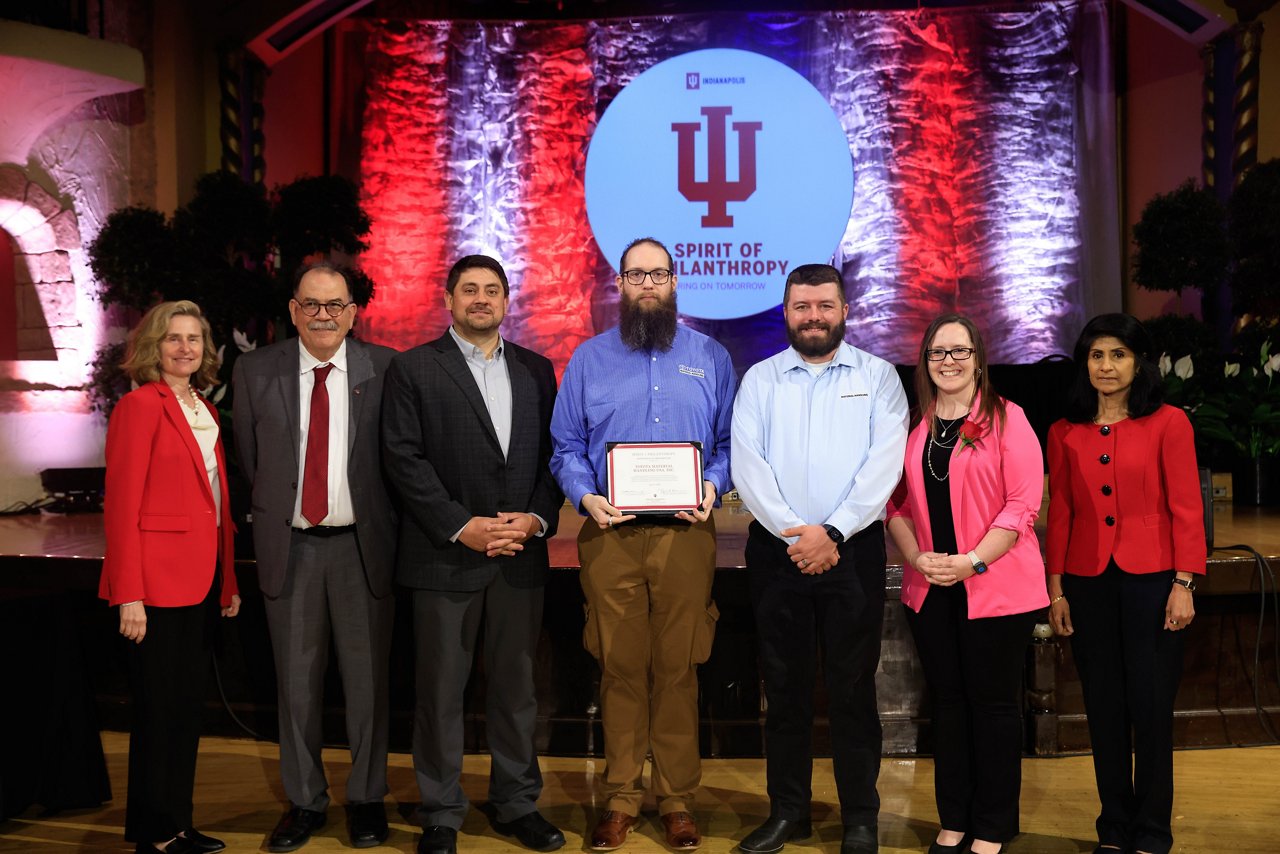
[814,274]
[472,262]
[324,266]
[652,241]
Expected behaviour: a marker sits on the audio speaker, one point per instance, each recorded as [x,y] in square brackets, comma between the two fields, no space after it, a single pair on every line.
[1188,19]
[290,31]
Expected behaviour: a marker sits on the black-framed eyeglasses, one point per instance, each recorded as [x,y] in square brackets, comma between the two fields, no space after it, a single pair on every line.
[333,308]
[636,277]
[937,354]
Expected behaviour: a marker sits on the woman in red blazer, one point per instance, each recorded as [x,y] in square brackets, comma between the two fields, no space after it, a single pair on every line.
[1125,543]
[169,531]
[972,579]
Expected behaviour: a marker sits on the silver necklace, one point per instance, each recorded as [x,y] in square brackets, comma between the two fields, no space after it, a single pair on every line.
[934,443]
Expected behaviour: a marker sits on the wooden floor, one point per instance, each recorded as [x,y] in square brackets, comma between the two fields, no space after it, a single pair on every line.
[1227,800]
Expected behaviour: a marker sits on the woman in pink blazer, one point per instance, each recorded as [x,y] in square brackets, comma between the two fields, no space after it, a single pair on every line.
[972,579]
[169,532]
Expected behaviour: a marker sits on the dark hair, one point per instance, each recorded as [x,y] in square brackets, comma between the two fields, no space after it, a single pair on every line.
[814,274]
[991,405]
[1147,392]
[326,267]
[652,241]
[474,262]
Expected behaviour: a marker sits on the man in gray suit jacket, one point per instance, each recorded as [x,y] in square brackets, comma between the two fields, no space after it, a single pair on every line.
[307,424]
[466,432]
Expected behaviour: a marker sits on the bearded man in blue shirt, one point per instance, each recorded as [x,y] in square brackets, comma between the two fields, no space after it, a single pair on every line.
[819,433]
[647,579]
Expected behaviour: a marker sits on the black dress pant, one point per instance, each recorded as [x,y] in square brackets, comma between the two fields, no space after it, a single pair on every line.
[840,612]
[167,676]
[974,670]
[1129,669]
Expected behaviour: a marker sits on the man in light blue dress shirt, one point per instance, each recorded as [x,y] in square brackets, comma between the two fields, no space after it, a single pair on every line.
[819,433]
[647,579]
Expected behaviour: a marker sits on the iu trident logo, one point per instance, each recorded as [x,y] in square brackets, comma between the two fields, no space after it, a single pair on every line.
[717,191]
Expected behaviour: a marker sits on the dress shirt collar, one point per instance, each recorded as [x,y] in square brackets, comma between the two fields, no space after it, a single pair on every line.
[308,362]
[473,353]
[845,355]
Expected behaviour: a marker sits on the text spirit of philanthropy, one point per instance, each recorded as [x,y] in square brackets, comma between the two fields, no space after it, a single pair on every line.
[655,477]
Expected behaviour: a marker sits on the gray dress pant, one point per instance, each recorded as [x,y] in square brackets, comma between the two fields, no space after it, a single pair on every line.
[446,626]
[326,595]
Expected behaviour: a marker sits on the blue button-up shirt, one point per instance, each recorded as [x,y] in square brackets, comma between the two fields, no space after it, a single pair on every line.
[819,446]
[611,393]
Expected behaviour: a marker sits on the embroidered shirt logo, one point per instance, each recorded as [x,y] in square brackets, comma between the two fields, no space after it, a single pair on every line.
[693,372]
[854,394]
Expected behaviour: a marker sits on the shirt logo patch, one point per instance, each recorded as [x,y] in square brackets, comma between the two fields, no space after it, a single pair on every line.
[852,394]
[693,372]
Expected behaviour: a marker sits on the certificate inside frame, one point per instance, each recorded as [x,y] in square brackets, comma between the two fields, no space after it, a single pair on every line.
[683,492]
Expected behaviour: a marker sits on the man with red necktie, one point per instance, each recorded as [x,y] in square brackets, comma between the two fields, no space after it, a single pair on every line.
[307,421]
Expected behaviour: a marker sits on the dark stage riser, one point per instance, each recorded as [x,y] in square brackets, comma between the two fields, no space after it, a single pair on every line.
[1215,704]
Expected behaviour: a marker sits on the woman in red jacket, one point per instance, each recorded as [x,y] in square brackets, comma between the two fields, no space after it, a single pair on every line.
[1125,543]
[168,526]
[968,501]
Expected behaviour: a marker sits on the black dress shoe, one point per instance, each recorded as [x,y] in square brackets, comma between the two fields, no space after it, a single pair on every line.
[368,824]
[775,833]
[860,839]
[533,831]
[438,839]
[294,829]
[202,842]
[938,848]
[177,846]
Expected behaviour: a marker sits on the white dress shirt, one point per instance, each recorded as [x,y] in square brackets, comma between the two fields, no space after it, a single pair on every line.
[341,511]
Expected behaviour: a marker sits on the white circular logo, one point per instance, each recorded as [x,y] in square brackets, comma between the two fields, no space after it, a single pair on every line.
[735,162]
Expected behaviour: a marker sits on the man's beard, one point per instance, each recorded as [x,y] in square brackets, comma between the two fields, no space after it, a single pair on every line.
[814,347]
[652,328]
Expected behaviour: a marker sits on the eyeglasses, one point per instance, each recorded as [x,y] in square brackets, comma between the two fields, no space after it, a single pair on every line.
[332,308]
[937,354]
[636,277]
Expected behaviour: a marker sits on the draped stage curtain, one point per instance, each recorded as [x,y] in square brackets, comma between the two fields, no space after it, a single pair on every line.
[982,142]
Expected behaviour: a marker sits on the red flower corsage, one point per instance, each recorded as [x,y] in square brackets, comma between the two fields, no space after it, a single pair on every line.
[970,433]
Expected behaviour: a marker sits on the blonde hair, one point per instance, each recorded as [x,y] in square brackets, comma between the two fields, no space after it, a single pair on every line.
[142,356]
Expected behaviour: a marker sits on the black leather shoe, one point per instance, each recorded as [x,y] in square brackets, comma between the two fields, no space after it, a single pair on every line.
[533,831]
[438,839]
[938,848]
[176,846]
[294,829]
[201,842]
[368,824]
[859,839]
[775,833]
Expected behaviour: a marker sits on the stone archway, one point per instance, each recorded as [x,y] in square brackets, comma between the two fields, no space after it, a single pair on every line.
[45,235]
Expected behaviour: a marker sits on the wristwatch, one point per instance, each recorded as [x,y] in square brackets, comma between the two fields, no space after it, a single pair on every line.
[834,533]
[1189,583]
[978,566]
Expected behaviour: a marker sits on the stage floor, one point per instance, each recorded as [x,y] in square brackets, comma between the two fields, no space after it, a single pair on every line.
[1225,800]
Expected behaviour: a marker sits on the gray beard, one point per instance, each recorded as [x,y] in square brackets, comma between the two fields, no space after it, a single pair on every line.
[648,329]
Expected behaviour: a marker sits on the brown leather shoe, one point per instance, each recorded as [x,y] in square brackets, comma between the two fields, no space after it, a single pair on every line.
[682,831]
[611,830]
